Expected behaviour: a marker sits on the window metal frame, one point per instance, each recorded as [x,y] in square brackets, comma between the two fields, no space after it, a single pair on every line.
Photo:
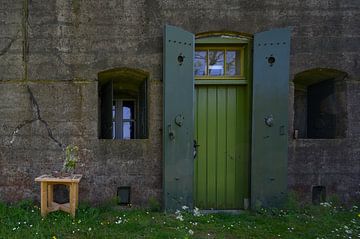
[119,121]
[224,48]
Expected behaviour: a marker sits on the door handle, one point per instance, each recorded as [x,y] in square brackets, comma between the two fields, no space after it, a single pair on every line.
[195,146]
[171,132]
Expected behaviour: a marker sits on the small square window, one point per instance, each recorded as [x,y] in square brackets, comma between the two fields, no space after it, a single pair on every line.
[123,104]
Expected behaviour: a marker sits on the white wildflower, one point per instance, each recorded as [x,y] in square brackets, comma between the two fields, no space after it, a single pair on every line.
[185,207]
[191,232]
[196,212]
[180,217]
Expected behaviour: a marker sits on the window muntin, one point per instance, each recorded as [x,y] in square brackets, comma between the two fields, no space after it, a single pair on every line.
[219,62]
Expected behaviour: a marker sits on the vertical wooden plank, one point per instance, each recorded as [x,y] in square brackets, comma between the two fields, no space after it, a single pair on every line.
[221,148]
[211,147]
[44,201]
[230,148]
[202,150]
[196,136]
[241,151]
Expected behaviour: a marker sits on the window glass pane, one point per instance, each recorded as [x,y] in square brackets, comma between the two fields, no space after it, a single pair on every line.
[200,63]
[216,63]
[233,63]
[128,109]
[128,130]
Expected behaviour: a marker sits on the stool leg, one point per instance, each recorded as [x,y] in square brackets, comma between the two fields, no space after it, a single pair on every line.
[50,193]
[72,199]
[43,199]
[76,195]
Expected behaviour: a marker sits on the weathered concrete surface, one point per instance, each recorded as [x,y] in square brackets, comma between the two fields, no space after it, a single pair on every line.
[56,48]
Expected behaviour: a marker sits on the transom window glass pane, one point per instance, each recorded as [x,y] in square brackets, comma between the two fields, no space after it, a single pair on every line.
[128,130]
[233,63]
[200,66]
[216,63]
[128,109]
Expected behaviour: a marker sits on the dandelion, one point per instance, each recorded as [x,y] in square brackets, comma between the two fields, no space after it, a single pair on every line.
[191,232]
[89,229]
[54,237]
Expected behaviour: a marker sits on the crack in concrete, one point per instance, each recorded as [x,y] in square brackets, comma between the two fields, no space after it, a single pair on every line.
[7,47]
[25,24]
[38,117]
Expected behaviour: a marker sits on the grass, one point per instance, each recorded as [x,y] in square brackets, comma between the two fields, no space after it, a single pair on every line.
[23,220]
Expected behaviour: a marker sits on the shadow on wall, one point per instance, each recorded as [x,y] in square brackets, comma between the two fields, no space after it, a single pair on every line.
[320,104]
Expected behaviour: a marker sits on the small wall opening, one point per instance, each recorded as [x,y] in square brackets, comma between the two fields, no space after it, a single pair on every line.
[320,104]
[123,195]
[318,194]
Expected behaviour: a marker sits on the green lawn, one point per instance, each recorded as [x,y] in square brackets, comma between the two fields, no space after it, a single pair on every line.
[24,221]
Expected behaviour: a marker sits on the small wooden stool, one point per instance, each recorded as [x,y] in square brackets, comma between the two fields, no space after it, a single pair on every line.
[47,194]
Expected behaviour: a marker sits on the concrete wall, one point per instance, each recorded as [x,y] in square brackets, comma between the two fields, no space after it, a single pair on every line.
[51,52]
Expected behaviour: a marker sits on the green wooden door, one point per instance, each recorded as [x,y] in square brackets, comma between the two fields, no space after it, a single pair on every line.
[222,133]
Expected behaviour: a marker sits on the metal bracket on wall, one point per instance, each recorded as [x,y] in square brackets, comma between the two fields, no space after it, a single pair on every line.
[269,120]
[179,119]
